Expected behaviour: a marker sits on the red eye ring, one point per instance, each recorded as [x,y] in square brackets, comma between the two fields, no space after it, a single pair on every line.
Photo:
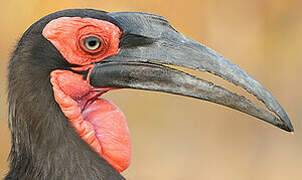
[91,44]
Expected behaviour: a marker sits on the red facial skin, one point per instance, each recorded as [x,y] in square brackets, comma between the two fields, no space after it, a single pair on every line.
[67,33]
[98,122]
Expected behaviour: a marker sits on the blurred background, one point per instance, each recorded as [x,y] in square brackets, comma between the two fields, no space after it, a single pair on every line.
[180,138]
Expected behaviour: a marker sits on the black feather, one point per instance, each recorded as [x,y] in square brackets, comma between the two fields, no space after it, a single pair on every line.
[44,145]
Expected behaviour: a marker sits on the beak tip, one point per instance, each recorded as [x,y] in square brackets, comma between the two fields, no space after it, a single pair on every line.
[292,130]
[287,127]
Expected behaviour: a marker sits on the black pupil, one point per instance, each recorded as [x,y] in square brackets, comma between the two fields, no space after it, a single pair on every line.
[92,42]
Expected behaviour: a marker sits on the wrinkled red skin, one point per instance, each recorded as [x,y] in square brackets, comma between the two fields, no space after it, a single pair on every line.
[66,33]
[97,121]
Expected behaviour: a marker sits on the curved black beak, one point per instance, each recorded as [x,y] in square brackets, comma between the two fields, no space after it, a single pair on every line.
[149,42]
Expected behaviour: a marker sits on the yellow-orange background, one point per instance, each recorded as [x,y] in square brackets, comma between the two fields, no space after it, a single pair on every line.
[181,138]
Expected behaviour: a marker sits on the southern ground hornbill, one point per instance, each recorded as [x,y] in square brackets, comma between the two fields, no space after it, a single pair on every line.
[63,63]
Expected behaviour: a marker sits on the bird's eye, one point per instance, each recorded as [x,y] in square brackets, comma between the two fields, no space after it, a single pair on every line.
[92,43]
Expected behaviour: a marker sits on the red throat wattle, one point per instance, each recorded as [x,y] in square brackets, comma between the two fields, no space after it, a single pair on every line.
[97,121]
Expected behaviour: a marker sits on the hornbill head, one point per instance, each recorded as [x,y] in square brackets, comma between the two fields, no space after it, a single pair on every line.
[80,54]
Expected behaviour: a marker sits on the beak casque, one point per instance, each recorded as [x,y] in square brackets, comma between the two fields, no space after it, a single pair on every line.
[149,42]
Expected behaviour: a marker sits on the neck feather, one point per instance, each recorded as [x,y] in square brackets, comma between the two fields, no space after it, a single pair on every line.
[44,145]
